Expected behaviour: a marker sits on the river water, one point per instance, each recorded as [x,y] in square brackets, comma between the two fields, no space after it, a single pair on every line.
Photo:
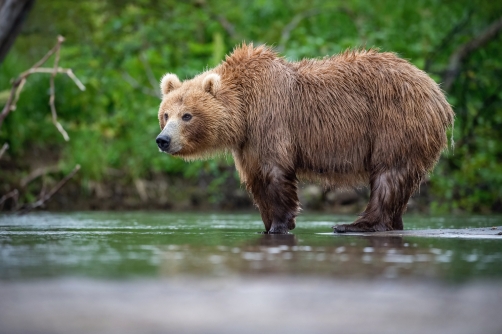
[116,272]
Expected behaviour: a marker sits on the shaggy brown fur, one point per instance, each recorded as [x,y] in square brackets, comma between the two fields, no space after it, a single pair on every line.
[356,118]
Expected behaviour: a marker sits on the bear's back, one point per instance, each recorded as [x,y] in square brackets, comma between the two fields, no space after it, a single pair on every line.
[364,108]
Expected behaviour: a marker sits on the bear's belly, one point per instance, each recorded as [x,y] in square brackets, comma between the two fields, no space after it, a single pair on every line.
[334,178]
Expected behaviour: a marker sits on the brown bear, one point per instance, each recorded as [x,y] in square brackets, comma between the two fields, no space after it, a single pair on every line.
[355,118]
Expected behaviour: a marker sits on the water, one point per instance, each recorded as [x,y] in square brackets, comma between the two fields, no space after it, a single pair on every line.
[154,245]
[113,272]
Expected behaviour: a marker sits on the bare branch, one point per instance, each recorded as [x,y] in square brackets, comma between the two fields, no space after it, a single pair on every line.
[10,105]
[286,32]
[19,82]
[4,148]
[222,20]
[229,27]
[37,173]
[50,53]
[457,28]
[149,74]
[72,76]
[16,95]
[358,21]
[48,195]
[53,94]
[466,49]
[14,194]
[67,71]
[136,85]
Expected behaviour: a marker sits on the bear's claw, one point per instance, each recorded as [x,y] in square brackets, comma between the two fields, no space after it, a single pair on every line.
[278,230]
[339,228]
[360,227]
[355,227]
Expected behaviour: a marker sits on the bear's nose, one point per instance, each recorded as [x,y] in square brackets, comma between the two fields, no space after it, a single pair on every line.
[163,142]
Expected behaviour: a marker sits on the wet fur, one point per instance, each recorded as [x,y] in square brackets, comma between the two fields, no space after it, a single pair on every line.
[355,118]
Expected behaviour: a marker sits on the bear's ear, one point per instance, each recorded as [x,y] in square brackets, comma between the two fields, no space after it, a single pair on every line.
[168,83]
[211,83]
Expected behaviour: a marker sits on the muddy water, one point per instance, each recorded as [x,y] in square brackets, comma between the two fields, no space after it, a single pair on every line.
[160,272]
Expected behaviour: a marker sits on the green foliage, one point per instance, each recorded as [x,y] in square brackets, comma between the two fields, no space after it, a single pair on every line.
[119,50]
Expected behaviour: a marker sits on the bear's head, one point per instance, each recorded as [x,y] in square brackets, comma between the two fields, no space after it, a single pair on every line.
[193,116]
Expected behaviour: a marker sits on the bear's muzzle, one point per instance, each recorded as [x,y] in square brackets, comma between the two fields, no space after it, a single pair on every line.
[163,142]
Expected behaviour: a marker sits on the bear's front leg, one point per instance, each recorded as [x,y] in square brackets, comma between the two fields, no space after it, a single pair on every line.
[276,194]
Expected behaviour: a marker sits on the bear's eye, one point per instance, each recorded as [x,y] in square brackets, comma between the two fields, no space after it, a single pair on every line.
[186,117]
[165,117]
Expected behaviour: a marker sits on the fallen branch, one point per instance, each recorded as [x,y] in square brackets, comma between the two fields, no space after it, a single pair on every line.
[48,195]
[4,148]
[37,173]
[12,194]
[466,49]
[18,84]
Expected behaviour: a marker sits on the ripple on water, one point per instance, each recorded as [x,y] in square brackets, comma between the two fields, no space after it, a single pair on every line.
[121,245]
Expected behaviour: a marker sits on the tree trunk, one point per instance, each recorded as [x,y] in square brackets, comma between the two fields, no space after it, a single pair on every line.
[12,16]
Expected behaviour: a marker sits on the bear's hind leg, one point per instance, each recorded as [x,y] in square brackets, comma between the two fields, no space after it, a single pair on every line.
[390,192]
[397,223]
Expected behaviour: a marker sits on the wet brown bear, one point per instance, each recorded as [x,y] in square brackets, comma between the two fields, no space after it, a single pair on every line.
[356,118]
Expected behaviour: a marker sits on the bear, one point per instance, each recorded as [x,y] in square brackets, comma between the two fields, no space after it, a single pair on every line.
[362,117]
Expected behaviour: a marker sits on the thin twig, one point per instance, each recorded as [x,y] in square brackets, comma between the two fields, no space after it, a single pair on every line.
[149,74]
[225,24]
[72,76]
[37,173]
[457,28]
[14,194]
[466,49]
[50,53]
[43,191]
[295,21]
[16,95]
[136,85]
[286,32]
[53,94]
[19,82]
[4,148]
[67,71]
[10,104]
[229,27]
[48,195]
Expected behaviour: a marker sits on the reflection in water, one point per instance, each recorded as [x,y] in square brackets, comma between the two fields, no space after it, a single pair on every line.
[275,240]
[219,269]
[351,257]
[114,245]
[386,242]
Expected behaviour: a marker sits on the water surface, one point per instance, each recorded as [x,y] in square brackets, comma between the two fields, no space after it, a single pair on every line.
[114,245]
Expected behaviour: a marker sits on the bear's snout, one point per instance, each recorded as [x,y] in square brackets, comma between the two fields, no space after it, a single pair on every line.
[163,142]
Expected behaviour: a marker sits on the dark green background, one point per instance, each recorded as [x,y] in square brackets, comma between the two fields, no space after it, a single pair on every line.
[119,49]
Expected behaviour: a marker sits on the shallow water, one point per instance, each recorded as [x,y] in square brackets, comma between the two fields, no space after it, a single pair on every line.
[109,272]
[114,245]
